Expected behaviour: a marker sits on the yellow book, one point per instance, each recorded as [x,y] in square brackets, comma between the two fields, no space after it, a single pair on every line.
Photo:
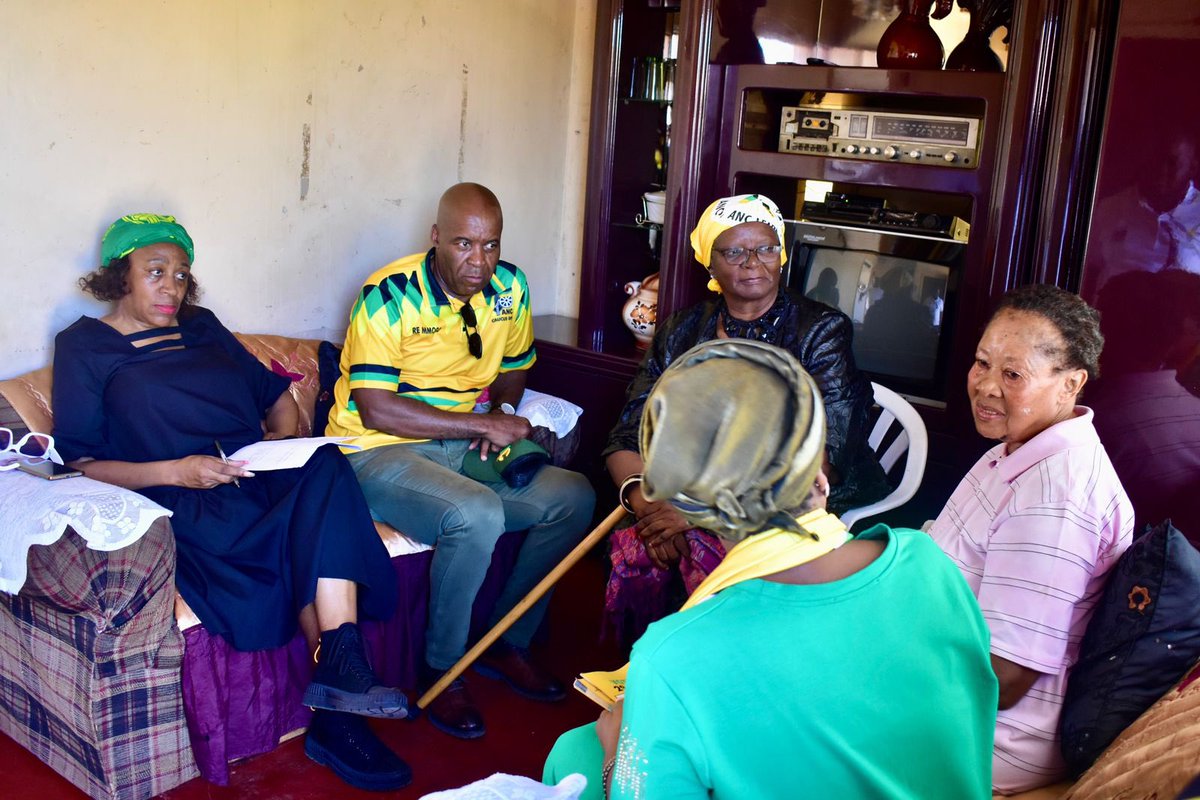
[603,688]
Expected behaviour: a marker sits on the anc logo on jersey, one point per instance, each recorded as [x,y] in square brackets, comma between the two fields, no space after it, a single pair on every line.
[502,306]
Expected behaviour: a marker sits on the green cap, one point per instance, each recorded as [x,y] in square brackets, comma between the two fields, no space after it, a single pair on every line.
[138,230]
[515,464]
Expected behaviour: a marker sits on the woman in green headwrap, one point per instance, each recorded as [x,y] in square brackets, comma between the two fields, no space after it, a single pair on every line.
[739,240]
[150,397]
[808,664]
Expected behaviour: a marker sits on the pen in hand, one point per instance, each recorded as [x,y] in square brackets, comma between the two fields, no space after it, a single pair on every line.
[225,460]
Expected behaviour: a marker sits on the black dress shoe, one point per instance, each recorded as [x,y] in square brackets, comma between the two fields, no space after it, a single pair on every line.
[348,746]
[513,665]
[454,712]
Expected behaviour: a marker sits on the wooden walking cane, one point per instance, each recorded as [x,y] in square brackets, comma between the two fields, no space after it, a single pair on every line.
[535,594]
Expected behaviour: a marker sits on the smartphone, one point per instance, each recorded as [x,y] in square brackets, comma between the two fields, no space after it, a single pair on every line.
[48,470]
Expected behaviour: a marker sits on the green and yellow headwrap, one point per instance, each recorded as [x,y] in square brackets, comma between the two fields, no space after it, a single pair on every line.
[729,212]
[138,230]
[733,435]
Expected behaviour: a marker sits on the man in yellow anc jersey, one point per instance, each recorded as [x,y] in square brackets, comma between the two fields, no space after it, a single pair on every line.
[427,335]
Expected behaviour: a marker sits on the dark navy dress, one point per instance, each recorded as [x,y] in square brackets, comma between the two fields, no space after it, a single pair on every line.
[248,558]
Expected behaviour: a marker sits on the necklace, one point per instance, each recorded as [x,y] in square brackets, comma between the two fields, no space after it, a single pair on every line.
[764,329]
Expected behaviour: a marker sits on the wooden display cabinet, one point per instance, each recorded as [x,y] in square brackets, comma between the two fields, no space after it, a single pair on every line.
[638,144]
[750,161]
[1027,198]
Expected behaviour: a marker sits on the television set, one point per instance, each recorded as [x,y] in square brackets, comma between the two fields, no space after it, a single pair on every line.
[897,288]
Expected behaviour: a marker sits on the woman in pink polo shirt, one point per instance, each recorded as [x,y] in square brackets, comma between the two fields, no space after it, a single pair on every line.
[1039,520]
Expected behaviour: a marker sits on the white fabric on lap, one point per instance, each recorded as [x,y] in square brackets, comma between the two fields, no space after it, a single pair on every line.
[514,787]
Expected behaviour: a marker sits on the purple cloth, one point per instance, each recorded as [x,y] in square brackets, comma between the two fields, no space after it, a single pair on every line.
[239,704]
[637,591]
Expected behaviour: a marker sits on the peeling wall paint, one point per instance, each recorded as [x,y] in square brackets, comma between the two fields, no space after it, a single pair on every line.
[205,126]
[462,123]
[306,138]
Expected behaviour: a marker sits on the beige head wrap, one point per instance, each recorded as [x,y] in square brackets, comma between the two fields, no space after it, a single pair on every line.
[728,212]
[733,435]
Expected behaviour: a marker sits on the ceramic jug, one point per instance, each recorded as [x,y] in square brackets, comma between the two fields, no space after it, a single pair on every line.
[640,312]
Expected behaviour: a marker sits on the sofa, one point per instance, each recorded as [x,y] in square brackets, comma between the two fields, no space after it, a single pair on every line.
[109,678]
[1155,758]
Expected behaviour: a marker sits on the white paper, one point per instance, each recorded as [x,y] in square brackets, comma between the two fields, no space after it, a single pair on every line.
[285,453]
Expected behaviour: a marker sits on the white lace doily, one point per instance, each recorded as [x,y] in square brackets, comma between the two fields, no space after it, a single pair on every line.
[549,411]
[37,511]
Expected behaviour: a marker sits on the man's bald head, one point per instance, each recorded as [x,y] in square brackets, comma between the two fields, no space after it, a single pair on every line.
[466,238]
[468,198]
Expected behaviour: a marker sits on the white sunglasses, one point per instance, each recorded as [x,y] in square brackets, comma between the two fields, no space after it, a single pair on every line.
[32,448]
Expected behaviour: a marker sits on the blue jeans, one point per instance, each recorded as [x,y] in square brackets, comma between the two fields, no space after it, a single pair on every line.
[419,489]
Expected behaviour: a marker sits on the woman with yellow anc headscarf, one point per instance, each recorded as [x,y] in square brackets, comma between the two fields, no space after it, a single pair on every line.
[809,663]
[740,241]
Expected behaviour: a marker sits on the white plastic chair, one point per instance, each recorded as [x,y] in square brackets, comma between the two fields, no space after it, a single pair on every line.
[912,442]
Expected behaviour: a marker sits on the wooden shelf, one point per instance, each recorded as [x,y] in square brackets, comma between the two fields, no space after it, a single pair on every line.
[924,86]
[643,101]
[988,86]
[845,170]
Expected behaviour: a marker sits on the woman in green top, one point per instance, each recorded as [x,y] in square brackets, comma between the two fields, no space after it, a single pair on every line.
[810,663]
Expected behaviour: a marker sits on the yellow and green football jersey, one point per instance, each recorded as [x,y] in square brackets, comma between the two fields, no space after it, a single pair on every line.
[407,336]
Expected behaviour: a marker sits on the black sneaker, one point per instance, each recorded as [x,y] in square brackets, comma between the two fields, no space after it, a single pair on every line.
[344,681]
[348,746]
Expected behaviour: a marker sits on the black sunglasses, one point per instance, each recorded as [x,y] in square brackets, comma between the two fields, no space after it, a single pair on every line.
[471,326]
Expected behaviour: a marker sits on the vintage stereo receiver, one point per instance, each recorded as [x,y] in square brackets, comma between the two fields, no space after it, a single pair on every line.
[862,133]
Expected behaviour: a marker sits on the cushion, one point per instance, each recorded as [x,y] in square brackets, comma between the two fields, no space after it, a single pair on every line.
[1156,756]
[561,448]
[1145,634]
[9,418]
[293,358]
[29,396]
[329,369]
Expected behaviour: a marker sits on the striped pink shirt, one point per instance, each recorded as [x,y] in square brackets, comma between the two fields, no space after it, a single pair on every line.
[1035,534]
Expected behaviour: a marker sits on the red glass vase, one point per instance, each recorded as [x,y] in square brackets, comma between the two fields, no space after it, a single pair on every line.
[910,41]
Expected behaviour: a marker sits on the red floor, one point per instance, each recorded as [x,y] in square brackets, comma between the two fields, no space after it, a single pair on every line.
[520,732]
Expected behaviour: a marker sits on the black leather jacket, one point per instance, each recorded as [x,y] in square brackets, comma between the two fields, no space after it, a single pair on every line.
[820,337]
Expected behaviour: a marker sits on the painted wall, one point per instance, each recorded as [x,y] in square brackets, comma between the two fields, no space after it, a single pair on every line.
[303,143]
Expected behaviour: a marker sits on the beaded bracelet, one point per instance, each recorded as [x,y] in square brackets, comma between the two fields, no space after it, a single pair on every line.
[623,492]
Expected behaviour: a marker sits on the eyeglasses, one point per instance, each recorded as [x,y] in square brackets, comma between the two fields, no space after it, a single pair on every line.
[767,254]
[471,326]
[33,448]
